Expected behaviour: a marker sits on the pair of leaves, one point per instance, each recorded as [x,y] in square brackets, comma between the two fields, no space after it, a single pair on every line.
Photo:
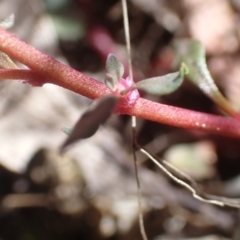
[192,53]
[101,109]
[98,112]
[159,86]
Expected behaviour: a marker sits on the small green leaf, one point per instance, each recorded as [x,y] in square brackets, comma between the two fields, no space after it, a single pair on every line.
[192,53]
[89,122]
[115,70]
[8,22]
[164,84]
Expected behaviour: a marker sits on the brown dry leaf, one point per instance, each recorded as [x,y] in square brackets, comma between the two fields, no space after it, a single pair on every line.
[212,22]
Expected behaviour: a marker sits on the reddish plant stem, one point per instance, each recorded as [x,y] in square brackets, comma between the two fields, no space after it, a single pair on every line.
[185,118]
[56,72]
[64,76]
[22,74]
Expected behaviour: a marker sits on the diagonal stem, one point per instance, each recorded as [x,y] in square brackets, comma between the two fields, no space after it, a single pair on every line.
[22,74]
[64,76]
[185,118]
[56,72]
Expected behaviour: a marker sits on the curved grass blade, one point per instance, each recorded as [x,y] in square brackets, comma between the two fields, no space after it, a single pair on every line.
[89,122]
[192,53]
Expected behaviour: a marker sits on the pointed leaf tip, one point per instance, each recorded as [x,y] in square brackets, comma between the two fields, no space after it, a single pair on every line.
[89,122]
[162,85]
[114,68]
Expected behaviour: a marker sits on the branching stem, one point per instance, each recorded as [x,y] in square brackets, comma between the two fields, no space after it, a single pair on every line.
[64,76]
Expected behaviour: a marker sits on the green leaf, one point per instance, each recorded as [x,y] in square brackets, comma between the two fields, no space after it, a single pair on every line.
[192,53]
[115,71]
[8,22]
[164,84]
[89,122]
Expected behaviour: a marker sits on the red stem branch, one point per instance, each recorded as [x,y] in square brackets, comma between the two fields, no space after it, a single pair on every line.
[64,76]
[56,72]
[22,74]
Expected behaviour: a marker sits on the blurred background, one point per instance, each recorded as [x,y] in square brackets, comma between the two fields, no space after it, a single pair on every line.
[90,192]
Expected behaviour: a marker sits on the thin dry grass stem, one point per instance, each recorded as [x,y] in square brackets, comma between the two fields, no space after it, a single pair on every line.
[225,201]
[140,215]
[178,176]
[127,36]
[128,44]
